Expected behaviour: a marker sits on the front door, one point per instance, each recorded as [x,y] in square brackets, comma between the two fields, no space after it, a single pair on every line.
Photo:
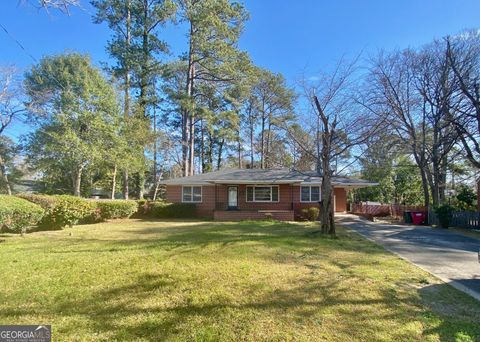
[232,197]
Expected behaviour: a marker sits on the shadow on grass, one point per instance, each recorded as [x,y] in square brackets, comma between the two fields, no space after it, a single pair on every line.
[158,307]
[120,312]
[178,237]
[108,309]
[459,308]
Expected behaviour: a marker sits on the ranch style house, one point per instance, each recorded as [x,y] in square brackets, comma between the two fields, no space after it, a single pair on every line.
[249,194]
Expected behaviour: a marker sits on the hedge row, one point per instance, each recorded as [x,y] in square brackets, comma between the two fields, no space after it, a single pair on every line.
[115,209]
[64,210]
[161,209]
[173,210]
[17,214]
[59,211]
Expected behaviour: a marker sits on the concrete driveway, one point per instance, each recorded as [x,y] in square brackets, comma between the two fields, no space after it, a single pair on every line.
[449,256]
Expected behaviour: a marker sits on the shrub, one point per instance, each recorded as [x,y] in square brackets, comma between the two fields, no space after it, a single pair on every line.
[69,210]
[444,214]
[113,209]
[173,210]
[62,210]
[17,214]
[144,208]
[311,213]
[465,199]
[45,201]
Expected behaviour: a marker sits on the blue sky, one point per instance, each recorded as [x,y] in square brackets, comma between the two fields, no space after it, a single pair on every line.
[291,37]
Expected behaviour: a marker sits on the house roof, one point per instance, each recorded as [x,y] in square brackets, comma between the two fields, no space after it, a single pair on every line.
[264,176]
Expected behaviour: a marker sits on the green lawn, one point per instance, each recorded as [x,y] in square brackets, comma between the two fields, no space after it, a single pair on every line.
[207,281]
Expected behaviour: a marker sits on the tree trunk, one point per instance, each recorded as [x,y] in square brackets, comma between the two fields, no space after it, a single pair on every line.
[239,151]
[77,181]
[185,143]
[220,152]
[140,184]
[155,147]
[327,225]
[202,146]
[3,170]
[426,194]
[424,177]
[125,184]
[191,144]
[443,179]
[114,181]
[126,106]
[262,144]
[209,154]
[252,151]
[144,68]
[188,118]
[268,143]
[432,186]
[157,185]
[318,136]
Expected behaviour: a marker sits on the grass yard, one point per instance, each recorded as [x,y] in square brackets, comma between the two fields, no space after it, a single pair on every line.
[207,281]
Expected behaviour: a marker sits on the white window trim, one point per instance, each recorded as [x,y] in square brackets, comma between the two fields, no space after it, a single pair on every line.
[192,186]
[310,193]
[262,186]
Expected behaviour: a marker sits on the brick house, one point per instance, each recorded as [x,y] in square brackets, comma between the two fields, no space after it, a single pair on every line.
[238,194]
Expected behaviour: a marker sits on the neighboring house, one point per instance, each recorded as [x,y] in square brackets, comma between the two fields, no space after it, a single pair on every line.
[241,194]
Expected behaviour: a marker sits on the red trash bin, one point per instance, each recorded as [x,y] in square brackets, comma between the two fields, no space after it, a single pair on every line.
[418,217]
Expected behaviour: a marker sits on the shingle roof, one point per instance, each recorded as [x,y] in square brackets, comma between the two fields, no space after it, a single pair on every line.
[263,176]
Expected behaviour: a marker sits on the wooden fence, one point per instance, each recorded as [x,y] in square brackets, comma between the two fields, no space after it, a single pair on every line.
[378,210]
[460,219]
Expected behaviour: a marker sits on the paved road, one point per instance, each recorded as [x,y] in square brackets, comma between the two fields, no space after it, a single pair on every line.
[450,256]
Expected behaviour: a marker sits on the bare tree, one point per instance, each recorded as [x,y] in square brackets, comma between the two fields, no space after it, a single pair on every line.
[62,5]
[341,126]
[391,94]
[463,55]
[11,106]
[435,84]
[11,109]
[414,91]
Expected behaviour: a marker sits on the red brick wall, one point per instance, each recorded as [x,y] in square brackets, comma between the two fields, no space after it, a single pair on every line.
[221,215]
[284,203]
[288,193]
[340,200]
[205,208]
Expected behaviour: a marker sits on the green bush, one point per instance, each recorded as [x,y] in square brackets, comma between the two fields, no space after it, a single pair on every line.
[311,213]
[62,210]
[45,201]
[113,209]
[69,210]
[444,214]
[173,210]
[466,199]
[144,208]
[17,214]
